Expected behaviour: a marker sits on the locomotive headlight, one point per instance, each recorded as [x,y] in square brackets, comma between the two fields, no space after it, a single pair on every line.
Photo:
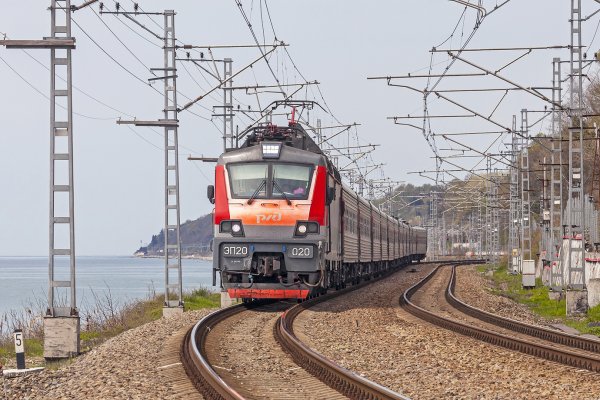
[234,227]
[271,149]
[304,228]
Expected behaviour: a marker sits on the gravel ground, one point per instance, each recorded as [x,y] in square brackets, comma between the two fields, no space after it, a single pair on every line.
[255,365]
[124,367]
[475,289]
[366,331]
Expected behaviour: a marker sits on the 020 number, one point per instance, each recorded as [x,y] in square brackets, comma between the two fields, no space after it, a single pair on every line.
[301,252]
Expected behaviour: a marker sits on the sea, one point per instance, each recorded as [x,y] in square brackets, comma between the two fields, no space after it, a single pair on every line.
[124,279]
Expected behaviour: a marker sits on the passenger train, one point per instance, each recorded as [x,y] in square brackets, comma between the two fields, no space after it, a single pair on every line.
[286,227]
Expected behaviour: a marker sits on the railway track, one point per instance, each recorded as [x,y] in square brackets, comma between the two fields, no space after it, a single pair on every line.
[453,314]
[312,375]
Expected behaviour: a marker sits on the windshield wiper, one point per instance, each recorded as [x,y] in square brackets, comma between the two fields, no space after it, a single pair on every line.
[251,199]
[276,185]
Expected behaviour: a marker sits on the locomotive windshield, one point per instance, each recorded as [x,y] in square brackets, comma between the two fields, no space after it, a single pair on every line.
[291,181]
[249,179]
[270,181]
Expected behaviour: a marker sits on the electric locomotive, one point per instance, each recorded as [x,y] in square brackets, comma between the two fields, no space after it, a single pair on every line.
[286,227]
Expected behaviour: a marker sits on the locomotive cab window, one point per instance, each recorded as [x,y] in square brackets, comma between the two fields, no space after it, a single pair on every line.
[291,180]
[249,179]
[270,180]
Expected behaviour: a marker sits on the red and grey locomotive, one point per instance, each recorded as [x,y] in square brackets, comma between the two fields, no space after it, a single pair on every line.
[285,226]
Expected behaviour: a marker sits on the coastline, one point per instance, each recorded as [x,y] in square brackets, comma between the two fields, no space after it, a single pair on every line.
[187,257]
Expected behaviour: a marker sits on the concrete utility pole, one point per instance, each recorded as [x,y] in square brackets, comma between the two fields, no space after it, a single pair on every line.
[576,223]
[173,302]
[495,234]
[546,236]
[61,323]
[480,224]
[433,227]
[514,247]
[556,181]
[525,191]
[488,210]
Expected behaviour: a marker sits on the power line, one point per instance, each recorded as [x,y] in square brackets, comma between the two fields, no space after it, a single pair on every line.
[86,94]
[77,88]
[46,96]
[120,41]
[136,32]
[114,60]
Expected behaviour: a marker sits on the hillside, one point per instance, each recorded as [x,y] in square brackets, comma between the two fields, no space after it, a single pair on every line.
[196,236]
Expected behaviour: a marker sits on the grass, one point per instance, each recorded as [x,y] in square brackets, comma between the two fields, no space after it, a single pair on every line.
[201,298]
[34,348]
[106,322]
[538,301]
[147,311]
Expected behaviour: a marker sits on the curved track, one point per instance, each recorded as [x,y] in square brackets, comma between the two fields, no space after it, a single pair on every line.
[315,378]
[455,315]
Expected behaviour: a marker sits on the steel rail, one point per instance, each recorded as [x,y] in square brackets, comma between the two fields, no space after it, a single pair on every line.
[208,382]
[550,335]
[574,358]
[337,377]
[194,360]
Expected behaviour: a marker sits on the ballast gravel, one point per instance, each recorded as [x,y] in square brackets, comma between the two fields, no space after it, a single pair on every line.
[124,367]
[366,331]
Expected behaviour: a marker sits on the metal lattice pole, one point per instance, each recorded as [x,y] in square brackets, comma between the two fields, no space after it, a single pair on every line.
[319,132]
[556,179]
[172,239]
[61,130]
[576,211]
[228,132]
[61,323]
[525,191]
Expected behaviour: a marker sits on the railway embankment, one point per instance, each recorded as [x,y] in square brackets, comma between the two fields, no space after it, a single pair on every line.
[501,293]
[121,351]
[130,365]
[105,319]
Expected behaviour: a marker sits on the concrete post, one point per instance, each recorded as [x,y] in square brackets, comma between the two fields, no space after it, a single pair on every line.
[19,348]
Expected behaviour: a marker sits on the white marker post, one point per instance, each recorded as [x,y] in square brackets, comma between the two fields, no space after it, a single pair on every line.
[19,348]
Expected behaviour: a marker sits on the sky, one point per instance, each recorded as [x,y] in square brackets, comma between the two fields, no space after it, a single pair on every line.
[339,43]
